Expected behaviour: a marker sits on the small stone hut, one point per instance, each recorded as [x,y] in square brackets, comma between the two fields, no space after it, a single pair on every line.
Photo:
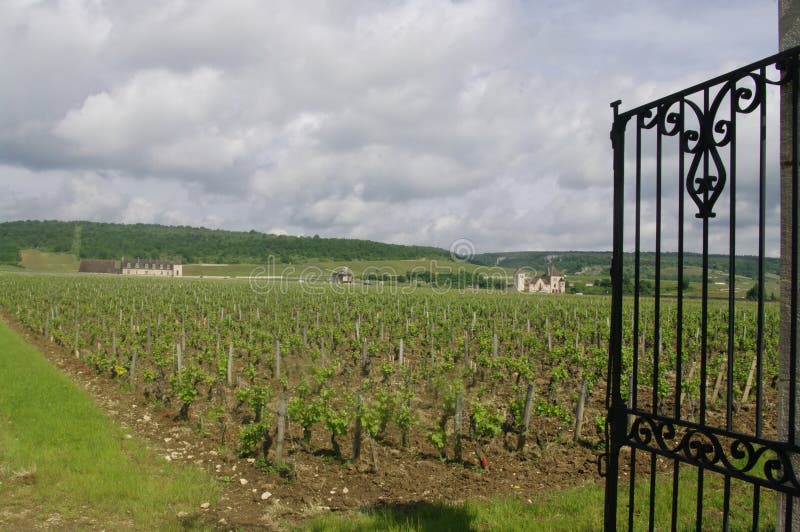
[342,276]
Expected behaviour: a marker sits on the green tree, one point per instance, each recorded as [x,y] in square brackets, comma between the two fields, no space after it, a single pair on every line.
[752,294]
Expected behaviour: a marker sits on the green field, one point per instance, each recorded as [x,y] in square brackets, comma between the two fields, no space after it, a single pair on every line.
[323,269]
[42,261]
[64,464]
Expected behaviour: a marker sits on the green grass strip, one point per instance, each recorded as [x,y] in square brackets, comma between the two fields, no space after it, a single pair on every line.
[571,509]
[61,456]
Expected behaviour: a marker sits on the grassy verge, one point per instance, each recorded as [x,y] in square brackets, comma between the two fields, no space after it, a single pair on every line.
[63,463]
[579,508]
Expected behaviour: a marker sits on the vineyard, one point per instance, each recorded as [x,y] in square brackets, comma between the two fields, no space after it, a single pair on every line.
[299,376]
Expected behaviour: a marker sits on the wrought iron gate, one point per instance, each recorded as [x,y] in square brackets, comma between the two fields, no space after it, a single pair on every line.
[692,370]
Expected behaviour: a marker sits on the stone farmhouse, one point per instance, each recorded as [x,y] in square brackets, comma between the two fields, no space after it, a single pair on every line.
[158,268]
[552,282]
[342,276]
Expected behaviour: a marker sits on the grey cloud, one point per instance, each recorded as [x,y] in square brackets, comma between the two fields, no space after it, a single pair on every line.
[412,121]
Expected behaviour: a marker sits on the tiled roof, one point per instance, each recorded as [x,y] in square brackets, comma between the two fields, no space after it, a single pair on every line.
[98,266]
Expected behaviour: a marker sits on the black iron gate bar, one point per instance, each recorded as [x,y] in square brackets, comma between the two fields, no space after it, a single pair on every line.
[752,458]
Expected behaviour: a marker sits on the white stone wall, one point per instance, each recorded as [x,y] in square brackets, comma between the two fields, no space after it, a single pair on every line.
[152,273]
[519,281]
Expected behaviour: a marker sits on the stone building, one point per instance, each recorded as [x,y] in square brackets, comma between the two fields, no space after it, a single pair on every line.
[552,282]
[152,267]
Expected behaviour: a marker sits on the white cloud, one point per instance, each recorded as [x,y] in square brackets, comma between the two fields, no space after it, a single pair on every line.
[152,107]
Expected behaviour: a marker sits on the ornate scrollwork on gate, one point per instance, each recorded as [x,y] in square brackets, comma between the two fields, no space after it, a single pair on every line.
[708,172]
[753,459]
[712,142]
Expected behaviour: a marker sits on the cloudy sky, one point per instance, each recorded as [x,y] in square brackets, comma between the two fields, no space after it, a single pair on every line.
[401,121]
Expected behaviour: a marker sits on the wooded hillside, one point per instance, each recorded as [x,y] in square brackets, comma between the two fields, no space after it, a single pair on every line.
[190,244]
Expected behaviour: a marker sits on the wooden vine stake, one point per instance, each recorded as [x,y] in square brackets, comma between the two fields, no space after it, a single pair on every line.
[457,424]
[365,365]
[688,379]
[373,452]
[149,341]
[400,353]
[579,413]
[718,384]
[180,358]
[132,371]
[230,364]
[277,368]
[526,418]
[357,429]
[77,335]
[281,433]
[749,384]
[631,393]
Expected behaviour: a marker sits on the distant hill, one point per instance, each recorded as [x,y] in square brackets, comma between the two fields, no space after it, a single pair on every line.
[599,262]
[191,244]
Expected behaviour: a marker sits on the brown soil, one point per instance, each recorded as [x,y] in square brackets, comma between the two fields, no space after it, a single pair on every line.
[321,483]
